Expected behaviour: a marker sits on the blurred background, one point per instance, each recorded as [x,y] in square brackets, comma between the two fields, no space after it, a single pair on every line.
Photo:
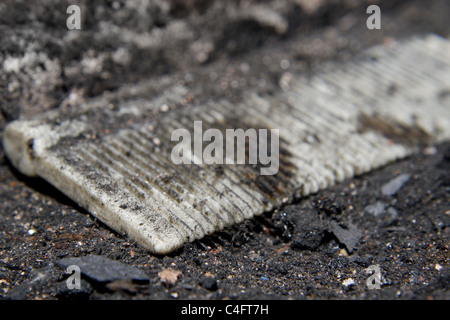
[44,64]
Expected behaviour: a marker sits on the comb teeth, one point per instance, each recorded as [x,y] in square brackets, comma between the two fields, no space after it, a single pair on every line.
[345,121]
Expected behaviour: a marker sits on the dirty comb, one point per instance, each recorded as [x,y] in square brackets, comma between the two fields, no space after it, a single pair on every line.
[344,121]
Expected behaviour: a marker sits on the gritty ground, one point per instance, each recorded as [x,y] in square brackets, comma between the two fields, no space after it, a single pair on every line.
[273,256]
[317,248]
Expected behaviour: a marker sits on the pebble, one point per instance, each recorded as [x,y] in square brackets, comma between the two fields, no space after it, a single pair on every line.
[103,269]
[348,237]
[376,208]
[393,186]
[169,276]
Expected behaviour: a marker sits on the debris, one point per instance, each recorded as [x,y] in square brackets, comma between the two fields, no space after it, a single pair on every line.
[376,208]
[282,249]
[348,237]
[302,225]
[348,282]
[103,269]
[343,252]
[308,237]
[391,188]
[169,276]
[438,267]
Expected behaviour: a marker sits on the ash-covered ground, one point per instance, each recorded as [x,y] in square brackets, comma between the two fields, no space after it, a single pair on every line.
[318,248]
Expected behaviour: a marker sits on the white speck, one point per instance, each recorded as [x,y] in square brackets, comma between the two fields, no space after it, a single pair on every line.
[348,282]
[32,231]
[438,267]
[164,108]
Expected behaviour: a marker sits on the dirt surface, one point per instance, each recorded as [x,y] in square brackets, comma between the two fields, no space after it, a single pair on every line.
[318,248]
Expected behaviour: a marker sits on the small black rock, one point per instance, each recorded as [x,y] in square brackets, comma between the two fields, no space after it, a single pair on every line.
[209,283]
[302,225]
